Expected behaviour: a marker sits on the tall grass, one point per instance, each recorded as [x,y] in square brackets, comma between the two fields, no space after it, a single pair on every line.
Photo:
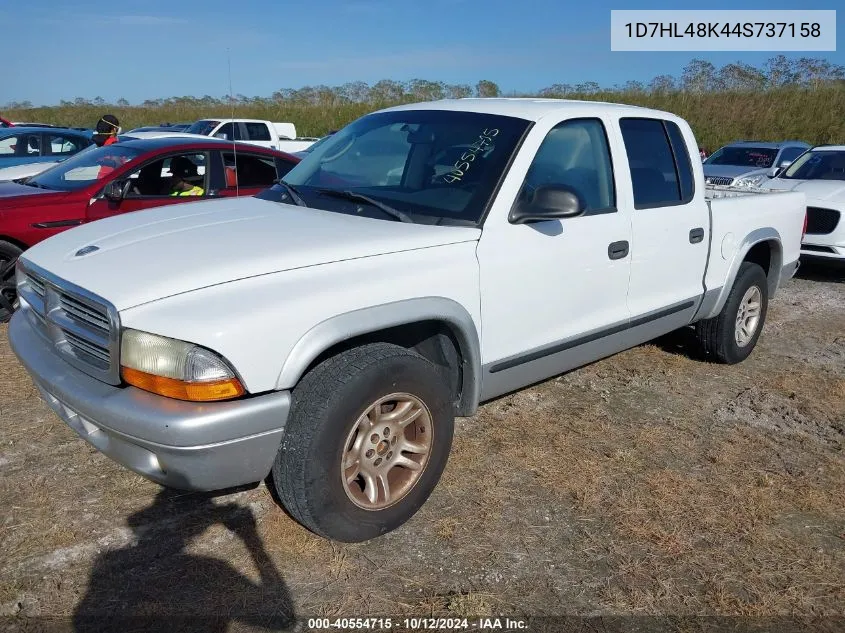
[813,115]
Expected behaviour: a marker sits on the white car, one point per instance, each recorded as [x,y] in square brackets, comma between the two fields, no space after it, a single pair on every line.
[350,320]
[820,174]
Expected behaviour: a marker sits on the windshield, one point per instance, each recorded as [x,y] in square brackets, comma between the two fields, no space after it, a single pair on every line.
[316,144]
[818,165]
[435,166]
[85,167]
[760,157]
[203,127]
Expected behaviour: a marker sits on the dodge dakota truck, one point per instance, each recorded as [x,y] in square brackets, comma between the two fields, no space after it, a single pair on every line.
[280,136]
[426,258]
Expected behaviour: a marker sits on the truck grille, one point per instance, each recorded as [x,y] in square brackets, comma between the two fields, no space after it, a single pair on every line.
[718,180]
[83,328]
[821,221]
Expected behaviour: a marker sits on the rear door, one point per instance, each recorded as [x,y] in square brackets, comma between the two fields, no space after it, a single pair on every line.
[149,186]
[669,222]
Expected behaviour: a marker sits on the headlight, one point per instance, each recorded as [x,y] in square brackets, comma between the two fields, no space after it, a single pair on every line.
[176,369]
[751,181]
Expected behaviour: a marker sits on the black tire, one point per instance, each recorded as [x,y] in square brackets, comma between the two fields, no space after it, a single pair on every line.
[8,291]
[716,337]
[325,407]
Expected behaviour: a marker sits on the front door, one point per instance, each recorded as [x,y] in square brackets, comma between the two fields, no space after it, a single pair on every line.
[552,290]
[153,185]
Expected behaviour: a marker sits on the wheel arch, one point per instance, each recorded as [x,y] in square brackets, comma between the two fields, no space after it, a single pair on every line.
[762,246]
[429,325]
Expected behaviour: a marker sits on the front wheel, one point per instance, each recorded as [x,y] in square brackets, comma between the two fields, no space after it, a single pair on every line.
[367,438]
[8,291]
[730,336]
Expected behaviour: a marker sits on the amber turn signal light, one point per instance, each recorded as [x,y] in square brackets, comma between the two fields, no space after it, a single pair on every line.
[193,391]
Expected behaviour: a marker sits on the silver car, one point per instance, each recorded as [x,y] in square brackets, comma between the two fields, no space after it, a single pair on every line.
[750,163]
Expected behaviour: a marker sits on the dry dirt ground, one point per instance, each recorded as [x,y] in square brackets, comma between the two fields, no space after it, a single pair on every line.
[642,491]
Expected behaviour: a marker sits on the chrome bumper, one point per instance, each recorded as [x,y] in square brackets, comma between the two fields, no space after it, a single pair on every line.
[187,445]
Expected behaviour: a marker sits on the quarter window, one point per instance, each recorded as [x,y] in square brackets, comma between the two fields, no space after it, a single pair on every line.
[660,176]
[575,154]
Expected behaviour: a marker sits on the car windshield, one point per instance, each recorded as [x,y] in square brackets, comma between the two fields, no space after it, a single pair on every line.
[203,127]
[759,157]
[316,144]
[818,165]
[85,167]
[435,166]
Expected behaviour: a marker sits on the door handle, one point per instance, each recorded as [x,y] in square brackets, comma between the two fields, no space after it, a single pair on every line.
[696,235]
[617,250]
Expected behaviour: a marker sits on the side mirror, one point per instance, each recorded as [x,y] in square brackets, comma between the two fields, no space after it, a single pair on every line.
[785,164]
[549,202]
[115,191]
[222,135]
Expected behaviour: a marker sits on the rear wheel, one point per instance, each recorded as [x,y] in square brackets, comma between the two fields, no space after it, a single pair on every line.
[8,291]
[367,438]
[730,336]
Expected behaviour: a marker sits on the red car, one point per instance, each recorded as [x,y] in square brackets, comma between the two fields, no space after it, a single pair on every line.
[130,175]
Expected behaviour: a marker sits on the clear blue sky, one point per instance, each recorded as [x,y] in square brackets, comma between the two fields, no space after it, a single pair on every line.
[158,48]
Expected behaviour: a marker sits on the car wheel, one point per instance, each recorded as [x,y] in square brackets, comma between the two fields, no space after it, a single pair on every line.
[730,336]
[367,438]
[8,290]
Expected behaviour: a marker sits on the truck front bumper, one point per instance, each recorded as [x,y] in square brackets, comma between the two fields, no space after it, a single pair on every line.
[187,445]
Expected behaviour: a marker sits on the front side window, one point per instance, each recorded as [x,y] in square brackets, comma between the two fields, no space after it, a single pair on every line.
[85,168]
[790,154]
[654,174]
[743,156]
[818,165]
[574,154]
[182,174]
[229,131]
[435,166]
[63,145]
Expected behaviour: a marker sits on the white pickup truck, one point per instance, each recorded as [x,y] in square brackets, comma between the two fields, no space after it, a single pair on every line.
[354,315]
[280,136]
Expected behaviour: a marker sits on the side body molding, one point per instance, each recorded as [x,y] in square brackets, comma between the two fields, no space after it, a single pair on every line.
[713,302]
[372,319]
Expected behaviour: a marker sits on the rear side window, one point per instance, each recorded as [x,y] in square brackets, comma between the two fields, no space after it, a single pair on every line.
[249,170]
[660,178]
[257,132]
[63,145]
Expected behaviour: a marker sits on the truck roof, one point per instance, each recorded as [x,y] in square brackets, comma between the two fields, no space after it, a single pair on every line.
[530,108]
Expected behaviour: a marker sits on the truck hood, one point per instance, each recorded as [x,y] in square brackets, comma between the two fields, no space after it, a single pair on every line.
[148,255]
[815,189]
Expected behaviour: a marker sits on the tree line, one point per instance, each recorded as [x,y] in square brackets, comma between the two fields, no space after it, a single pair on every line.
[698,77]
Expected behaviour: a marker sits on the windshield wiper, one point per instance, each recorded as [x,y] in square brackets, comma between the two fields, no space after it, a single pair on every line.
[360,197]
[292,192]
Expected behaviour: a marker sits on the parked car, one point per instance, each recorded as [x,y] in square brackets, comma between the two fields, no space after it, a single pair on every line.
[126,176]
[820,174]
[329,329]
[30,145]
[281,136]
[749,163]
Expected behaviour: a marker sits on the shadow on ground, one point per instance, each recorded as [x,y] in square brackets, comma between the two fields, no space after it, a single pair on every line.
[155,584]
[821,271]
